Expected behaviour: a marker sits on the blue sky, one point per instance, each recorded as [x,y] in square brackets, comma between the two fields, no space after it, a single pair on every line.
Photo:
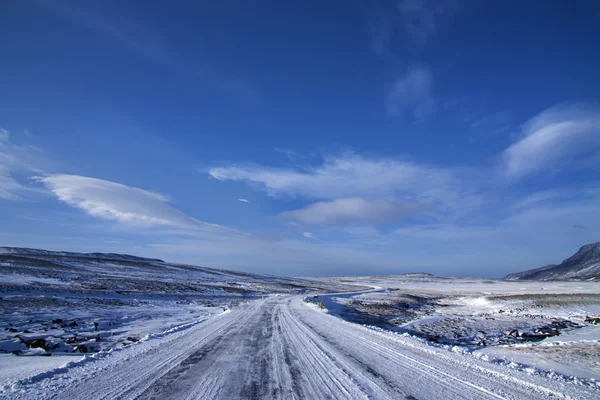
[303,138]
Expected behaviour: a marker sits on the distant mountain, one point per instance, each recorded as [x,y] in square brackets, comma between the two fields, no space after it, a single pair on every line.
[127,275]
[24,251]
[583,265]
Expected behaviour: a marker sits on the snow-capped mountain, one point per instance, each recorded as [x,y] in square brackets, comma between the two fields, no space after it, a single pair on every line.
[585,264]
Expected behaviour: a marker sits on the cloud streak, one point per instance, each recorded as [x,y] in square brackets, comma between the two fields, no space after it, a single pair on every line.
[412,92]
[421,19]
[147,42]
[15,161]
[8,185]
[353,210]
[345,175]
[561,133]
[125,204]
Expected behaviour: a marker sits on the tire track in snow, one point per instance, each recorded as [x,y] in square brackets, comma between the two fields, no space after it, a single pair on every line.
[279,348]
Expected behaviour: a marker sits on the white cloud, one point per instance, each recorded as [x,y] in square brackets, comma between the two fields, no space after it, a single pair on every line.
[114,201]
[543,196]
[447,193]
[353,210]
[309,235]
[15,160]
[561,133]
[412,92]
[244,200]
[345,175]
[8,185]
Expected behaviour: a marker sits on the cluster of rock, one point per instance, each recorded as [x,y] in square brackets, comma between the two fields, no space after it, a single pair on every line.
[62,338]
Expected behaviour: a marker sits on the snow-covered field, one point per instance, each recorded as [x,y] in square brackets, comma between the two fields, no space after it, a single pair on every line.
[104,326]
[56,307]
[548,326]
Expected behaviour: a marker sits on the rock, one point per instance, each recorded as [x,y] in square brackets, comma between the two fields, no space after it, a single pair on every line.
[51,346]
[434,339]
[133,339]
[73,323]
[13,330]
[82,348]
[514,333]
[72,340]
[57,321]
[17,352]
[36,343]
[592,320]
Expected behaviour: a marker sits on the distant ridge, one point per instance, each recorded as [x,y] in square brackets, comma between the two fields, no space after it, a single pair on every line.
[24,251]
[583,265]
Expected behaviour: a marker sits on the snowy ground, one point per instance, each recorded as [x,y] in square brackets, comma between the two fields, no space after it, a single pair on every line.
[284,348]
[57,307]
[548,326]
[112,326]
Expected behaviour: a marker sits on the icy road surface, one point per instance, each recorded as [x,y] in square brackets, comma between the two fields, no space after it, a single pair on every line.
[282,348]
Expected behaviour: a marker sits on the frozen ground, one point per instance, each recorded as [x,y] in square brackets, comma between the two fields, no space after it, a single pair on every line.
[56,306]
[112,326]
[284,348]
[549,326]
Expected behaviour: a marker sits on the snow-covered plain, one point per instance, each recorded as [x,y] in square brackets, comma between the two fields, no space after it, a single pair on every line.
[550,327]
[56,307]
[78,326]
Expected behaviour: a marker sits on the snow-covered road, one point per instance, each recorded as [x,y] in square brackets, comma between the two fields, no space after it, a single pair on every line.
[281,348]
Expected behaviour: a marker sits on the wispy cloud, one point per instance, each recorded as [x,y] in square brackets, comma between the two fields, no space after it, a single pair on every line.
[8,185]
[148,42]
[421,19]
[353,210]
[244,200]
[348,175]
[554,137]
[15,161]
[352,189]
[309,235]
[292,155]
[415,21]
[412,92]
[125,204]
[131,34]
[381,29]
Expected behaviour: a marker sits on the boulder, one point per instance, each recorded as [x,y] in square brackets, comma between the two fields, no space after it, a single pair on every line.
[82,348]
[36,343]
